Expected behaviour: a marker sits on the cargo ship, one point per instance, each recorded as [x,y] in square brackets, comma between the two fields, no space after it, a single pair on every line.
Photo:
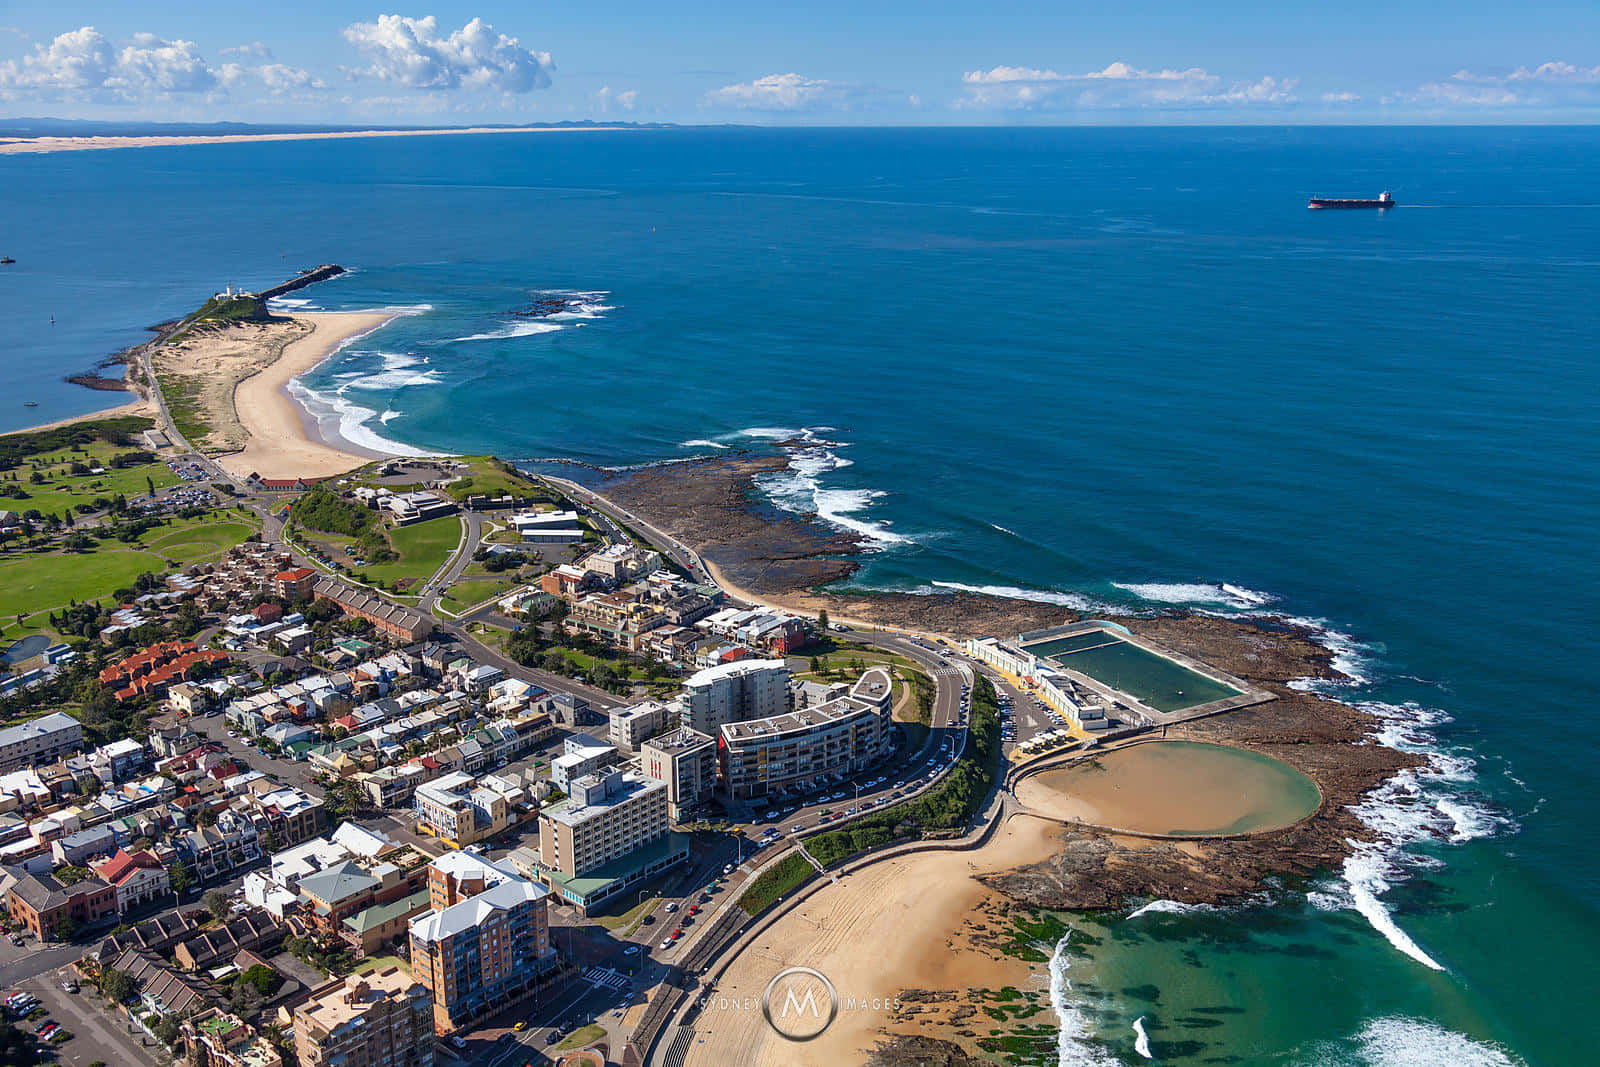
[1384,200]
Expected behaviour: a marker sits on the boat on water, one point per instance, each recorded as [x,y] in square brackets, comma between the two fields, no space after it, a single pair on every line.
[30,403]
[1384,201]
[6,259]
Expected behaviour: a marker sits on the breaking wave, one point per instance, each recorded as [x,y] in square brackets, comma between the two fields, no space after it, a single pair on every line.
[1202,593]
[1400,1041]
[1074,1047]
[799,489]
[701,442]
[399,372]
[515,329]
[1075,601]
[1141,1040]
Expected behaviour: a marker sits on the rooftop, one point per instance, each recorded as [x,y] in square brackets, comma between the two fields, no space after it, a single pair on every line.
[341,1002]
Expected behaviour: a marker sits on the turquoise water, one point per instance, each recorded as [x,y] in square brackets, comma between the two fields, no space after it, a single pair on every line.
[1100,367]
[1155,680]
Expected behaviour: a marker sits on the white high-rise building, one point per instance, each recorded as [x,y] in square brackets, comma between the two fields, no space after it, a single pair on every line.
[734,692]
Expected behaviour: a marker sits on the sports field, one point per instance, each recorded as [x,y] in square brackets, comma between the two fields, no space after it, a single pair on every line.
[1156,681]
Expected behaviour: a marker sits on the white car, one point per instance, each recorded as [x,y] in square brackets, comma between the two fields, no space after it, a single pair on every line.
[666,944]
[672,907]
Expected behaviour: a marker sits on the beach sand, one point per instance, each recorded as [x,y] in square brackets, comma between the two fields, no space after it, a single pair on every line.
[277,443]
[136,407]
[892,926]
[83,144]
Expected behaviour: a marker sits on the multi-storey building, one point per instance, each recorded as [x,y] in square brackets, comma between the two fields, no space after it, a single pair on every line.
[581,755]
[486,941]
[686,760]
[632,726]
[734,692]
[610,834]
[39,741]
[227,1041]
[49,909]
[459,811]
[796,752]
[379,1019]
[391,620]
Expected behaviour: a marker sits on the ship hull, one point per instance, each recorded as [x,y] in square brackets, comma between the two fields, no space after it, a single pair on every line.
[1381,205]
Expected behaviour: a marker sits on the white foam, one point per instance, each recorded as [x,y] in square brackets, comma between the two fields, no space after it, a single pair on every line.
[772,433]
[352,421]
[399,372]
[581,309]
[1012,592]
[1227,594]
[701,442]
[1418,805]
[515,329]
[1073,1044]
[1002,529]
[798,488]
[1364,874]
[1168,907]
[1141,1040]
[389,413]
[1401,1041]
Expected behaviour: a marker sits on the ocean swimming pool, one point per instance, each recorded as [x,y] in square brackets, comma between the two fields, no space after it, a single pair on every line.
[1149,677]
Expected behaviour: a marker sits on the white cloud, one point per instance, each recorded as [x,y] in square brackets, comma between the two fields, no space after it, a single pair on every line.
[777,92]
[1555,84]
[625,99]
[1340,98]
[83,63]
[412,53]
[1558,73]
[254,48]
[1117,86]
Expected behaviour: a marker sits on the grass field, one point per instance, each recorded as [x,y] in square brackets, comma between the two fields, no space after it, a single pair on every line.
[470,593]
[40,583]
[583,1035]
[423,550]
[63,490]
[195,540]
[488,479]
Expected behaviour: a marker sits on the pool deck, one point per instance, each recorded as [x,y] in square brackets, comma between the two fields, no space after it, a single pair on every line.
[1247,696]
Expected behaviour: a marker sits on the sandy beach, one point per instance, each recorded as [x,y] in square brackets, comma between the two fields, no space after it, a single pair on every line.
[136,407]
[85,144]
[893,926]
[278,445]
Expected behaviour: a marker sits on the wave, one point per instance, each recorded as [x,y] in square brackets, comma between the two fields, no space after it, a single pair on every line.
[291,304]
[798,488]
[516,329]
[1233,596]
[1141,1040]
[1073,1045]
[1002,529]
[1401,1041]
[1419,805]
[351,421]
[389,413]
[398,373]
[1168,907]
[701,442]
[1011,592]
[772,433]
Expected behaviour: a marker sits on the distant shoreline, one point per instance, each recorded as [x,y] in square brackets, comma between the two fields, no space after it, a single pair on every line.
[35,145]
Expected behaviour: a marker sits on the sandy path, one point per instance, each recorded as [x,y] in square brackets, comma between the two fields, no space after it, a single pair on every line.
[894,925]
[81,144]
[279,446]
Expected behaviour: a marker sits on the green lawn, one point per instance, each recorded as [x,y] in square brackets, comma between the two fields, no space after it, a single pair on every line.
[36,583]
[63,491]
[488,479]
[470,593]
[583,1035]
[423,549]
[192,540]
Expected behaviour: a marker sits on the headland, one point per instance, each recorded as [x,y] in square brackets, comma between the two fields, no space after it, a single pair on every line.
[26,145]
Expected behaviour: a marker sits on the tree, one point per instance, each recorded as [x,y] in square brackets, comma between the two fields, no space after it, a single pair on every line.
[205,817]
[822,620]
[181,877]
[268,841]
[216,903]
[117,985]
[167,1031]
[16,1047]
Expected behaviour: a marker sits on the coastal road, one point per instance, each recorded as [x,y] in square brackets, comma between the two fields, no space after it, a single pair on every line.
[611,514]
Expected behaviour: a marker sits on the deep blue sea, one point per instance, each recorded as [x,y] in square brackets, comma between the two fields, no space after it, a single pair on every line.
[1098,365]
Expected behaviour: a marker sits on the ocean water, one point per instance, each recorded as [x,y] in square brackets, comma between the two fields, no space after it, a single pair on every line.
[1092,366]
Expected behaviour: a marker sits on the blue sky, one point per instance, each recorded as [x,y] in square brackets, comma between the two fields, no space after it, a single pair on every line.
[823,62]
